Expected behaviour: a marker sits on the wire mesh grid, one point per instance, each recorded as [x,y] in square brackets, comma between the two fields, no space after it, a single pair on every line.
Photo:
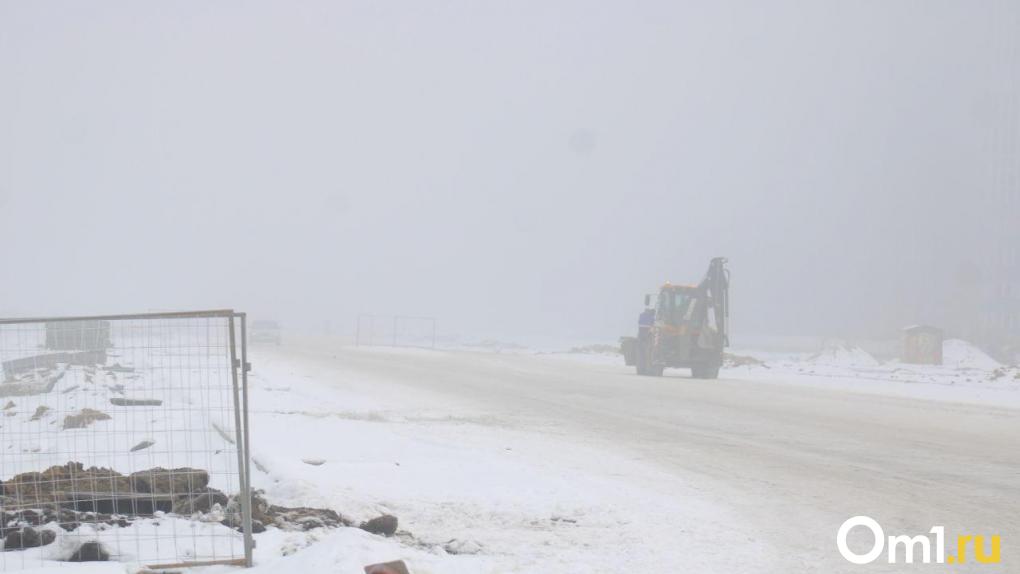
[395,331]
[119,441]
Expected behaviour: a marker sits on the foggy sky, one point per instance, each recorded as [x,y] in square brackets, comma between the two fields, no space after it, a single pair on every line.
[512,168]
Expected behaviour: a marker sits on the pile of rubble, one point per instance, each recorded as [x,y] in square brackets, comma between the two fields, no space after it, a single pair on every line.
[72,495]
[1005,373]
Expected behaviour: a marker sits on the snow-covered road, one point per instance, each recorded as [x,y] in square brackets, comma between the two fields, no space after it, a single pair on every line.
[537,461]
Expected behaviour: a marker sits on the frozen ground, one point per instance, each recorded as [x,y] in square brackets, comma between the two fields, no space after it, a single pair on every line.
[518,462]
[967,375]
[533,463]
[480,489]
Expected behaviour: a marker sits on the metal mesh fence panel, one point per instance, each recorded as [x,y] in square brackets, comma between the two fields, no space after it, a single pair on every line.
[119,440]
[396,331]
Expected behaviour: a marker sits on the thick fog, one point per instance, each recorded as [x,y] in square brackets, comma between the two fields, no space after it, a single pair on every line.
[516,169]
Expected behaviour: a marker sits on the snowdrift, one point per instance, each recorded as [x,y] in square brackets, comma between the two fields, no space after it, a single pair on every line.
[960,354]
[841,354]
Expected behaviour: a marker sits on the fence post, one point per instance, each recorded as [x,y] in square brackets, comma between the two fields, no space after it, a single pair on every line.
[244,497]
[245,367]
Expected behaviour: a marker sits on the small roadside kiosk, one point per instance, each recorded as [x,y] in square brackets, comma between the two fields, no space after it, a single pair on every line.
[922,345]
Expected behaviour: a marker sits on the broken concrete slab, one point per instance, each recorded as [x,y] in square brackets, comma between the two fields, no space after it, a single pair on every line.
[125,402]
[84,418]
[224,433]
[199,502]
[40,411]
[15,367]
[142,445]
[395,567]
[170,480]
[34,386]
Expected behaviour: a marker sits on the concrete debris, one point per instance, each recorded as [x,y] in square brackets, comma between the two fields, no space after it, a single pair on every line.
[71,495]
[84,419]
[224,433]
[27,537]
[90,552]
[285,518]
[206,501]
[385,525]
[50,361]
[396,567]
[122,402]
[40,411]
[170,481]
[142,445]
[31,385]
[75,486]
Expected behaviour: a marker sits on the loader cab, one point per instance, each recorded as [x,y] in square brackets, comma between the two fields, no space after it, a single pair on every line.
[675,305]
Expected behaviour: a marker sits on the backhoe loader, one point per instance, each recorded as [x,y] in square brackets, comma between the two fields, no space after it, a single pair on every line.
[687,328]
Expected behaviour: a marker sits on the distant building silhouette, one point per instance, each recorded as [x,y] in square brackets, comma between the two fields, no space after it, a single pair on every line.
[998,326]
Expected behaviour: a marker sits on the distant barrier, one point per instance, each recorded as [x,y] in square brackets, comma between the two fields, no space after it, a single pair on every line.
[395,331]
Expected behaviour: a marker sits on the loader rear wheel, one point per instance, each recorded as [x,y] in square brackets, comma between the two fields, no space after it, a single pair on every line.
[642,361]
[705,372]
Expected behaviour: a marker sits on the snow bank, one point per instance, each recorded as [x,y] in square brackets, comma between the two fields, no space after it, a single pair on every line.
[960,354]
[840,354]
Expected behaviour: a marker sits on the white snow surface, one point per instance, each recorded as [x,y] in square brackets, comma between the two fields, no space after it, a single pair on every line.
[478,492]
[474,492]
[960,354]
[837,354]
[967,375]
[503,496]
[521,495]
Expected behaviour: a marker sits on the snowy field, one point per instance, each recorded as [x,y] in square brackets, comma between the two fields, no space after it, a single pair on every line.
[475,491]
[967,374]
[523,462]
[536,462]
